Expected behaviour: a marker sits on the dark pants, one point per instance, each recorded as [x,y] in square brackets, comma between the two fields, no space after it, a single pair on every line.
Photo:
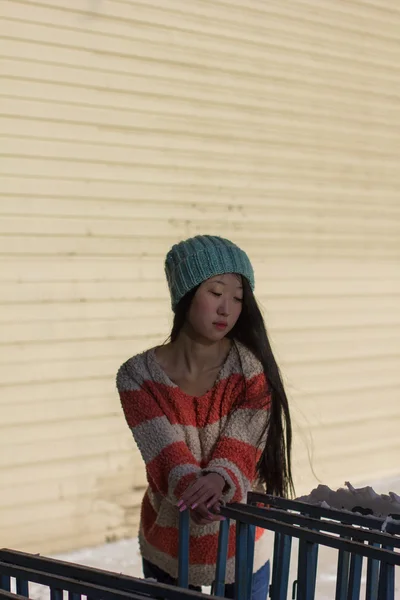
[260,580]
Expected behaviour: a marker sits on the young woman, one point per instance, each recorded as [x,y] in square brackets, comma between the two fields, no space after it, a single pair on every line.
[208,412]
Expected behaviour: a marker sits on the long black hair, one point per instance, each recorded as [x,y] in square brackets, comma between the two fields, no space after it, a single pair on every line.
[274,467]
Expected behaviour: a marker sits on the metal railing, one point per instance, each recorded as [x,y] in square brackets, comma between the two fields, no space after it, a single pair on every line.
[79,581]
[354,536]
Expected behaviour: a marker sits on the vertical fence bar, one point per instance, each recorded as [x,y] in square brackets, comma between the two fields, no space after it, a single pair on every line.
[382,585]
[342,576]
[275,579]
[251,540]
[354,586]
[314,563]
[285,548]
[301,565]
[372,576]
[222,557]
[306,571]
[241,561]
[5,583]
[22,587]
[390,582]
[386,579]
[183,561]
[390,576]
[314,558]
[56,594]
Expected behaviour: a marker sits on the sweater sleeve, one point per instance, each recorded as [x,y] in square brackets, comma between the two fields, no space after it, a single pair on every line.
[170,465]
[238,449]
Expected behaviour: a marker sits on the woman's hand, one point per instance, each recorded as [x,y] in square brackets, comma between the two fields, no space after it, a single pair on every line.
[204,516]
[206,490]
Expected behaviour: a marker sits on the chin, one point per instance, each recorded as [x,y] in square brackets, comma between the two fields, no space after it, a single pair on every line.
[212,335]
[219,335]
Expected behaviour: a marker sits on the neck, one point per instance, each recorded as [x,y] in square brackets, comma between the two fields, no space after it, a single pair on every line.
[198,355]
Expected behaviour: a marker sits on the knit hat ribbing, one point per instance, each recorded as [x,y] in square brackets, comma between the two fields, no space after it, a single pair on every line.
[192,261]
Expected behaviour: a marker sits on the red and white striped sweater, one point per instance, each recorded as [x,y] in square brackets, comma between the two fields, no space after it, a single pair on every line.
[180,437]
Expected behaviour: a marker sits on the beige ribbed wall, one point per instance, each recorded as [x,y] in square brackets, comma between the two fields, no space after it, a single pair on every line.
[126,126]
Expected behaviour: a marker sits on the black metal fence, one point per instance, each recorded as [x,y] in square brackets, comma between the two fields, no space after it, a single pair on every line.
[356,538]
[79,581]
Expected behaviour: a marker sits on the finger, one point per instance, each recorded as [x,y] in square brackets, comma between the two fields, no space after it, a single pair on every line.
[195,518]
[215,508]
[204,522]
[189,492]
[199,520]
[202,511]
[215,512]
[206,514]
[212,518]
[193,495]
[196,515]
[213,503]
[195,499]
[208,520]
[207,497]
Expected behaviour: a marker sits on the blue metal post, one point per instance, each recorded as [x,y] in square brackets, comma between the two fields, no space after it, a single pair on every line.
[22,587]
[275,578]
[241,561]
[386,579]
[314,560]
[183,563]
[306,571]
[354,588]
[372,576]
[342,577]
[285,548]
[222,557]
[5,583]
[251,540]
[56,594]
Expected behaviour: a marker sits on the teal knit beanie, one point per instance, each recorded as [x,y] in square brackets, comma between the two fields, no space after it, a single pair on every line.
[192,261]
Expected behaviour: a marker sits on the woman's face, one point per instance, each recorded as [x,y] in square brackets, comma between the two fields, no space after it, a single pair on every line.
[216,306]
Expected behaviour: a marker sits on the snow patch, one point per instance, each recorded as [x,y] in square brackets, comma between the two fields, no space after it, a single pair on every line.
[349,498]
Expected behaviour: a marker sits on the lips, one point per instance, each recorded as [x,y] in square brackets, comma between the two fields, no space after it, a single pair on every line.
[221,325]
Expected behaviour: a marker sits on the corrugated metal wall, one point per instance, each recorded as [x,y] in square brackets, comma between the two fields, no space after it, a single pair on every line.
[128,125]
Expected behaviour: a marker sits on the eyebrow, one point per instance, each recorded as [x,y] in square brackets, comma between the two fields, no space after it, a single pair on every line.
[223,283]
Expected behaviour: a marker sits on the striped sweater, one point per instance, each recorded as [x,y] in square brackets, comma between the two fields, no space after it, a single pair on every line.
[180,438]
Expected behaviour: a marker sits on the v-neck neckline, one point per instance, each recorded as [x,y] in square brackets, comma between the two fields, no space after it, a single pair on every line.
[170,383]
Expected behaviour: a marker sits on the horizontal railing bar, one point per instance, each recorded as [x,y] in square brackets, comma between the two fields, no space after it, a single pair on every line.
[371,522]
[66,583]
[82,587]
[10,596]
[322,525]
[108,579]
[244,515]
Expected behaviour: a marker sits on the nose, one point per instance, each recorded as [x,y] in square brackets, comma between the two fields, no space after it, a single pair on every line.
[224,308]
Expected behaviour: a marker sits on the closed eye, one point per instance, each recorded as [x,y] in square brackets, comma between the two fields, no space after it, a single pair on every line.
[219,294]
